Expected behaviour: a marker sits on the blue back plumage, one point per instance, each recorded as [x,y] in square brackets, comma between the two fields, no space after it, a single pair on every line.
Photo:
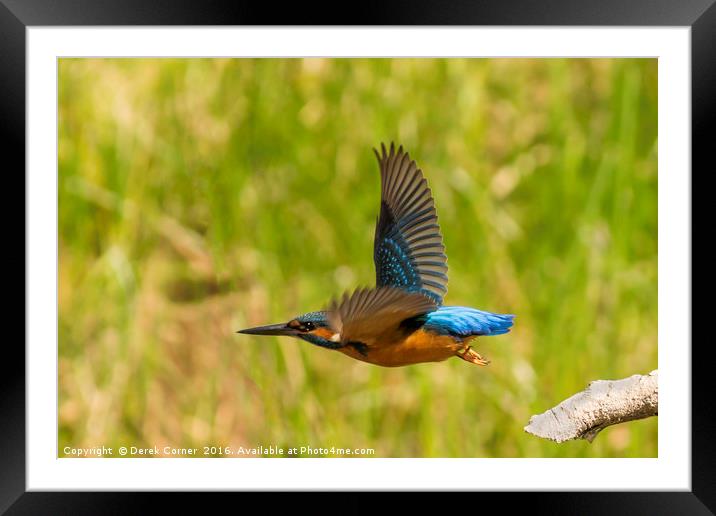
[462,321]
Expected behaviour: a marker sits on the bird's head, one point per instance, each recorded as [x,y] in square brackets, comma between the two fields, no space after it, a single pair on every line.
[312,327]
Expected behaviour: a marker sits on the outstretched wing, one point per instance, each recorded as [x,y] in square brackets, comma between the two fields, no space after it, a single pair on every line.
[408,249]
[367,314]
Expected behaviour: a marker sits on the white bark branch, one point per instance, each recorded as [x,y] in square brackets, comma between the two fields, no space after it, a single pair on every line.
[603,403]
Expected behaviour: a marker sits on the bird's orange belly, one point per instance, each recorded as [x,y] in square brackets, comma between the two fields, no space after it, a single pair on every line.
[416,348]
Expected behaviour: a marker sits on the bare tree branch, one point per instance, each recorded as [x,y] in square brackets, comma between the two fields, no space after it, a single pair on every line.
[603,403]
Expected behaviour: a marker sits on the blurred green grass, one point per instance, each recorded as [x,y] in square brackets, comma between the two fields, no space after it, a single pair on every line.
[200,196]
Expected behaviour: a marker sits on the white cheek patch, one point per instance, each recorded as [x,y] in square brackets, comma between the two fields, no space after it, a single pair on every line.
[336,337]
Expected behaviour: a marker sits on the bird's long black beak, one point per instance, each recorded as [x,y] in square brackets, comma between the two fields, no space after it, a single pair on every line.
[271,329]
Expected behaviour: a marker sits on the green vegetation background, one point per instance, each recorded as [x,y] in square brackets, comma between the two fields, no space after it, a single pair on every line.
[201,196]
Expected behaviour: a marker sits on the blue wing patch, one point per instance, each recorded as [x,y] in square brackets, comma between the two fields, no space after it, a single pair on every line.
[408,248]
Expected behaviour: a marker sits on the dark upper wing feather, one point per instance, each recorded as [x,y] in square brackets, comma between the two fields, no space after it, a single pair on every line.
[409,251]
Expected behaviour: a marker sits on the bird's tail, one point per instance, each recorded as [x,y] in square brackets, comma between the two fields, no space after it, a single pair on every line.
[496,324]
[464,321]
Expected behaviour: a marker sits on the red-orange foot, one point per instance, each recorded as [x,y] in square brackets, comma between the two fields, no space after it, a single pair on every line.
[470,355]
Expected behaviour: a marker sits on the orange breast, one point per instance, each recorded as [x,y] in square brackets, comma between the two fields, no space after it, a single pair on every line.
[417,347]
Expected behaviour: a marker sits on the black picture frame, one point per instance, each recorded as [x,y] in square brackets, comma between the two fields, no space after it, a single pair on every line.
[17,15]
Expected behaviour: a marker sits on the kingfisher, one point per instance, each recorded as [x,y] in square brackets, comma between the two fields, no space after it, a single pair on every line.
[402,320]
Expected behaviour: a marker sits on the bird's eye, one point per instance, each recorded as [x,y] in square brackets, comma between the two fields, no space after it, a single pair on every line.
[308,326]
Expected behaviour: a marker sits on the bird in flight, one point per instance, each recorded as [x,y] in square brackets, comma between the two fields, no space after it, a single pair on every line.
[402,320]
